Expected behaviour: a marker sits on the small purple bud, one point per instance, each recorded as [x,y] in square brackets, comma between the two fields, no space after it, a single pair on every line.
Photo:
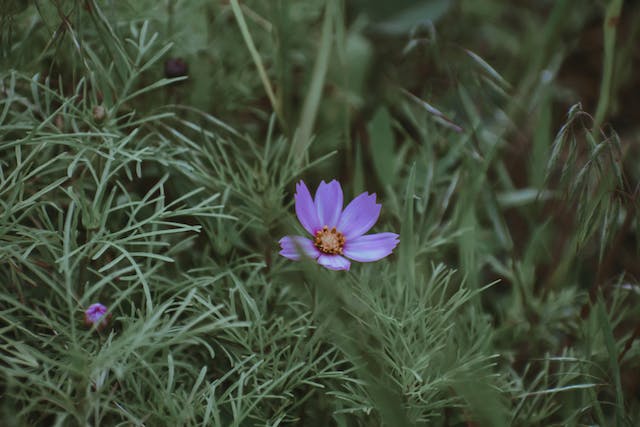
[175,67]
[96,313]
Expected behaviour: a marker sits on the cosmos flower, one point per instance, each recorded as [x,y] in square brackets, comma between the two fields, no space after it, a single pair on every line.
[96,313]
[337,233]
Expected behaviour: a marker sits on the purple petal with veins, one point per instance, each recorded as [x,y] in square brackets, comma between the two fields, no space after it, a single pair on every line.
[306,209]
[334,262]
[359,216]
[371,247]
[298,247]
[328,203]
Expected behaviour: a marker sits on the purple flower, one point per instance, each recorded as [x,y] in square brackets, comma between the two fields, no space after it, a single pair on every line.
[96,313]
[337,232]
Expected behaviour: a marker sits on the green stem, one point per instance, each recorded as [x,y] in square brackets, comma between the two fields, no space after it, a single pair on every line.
[610,27]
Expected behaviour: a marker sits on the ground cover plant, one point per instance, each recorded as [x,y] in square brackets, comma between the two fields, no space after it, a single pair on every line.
[157,160]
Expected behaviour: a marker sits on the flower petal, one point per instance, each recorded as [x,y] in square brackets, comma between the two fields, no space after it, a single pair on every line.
[334,262]
[359,216]
[329,203]
[371,247]
[297,247]
[306,209]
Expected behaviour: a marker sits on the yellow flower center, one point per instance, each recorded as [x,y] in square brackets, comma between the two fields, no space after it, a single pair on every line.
[329,241]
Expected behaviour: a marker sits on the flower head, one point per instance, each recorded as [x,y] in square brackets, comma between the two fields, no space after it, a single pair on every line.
[96,313]
[337,233]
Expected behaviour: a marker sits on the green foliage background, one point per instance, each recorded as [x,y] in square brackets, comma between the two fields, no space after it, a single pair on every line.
[500,137]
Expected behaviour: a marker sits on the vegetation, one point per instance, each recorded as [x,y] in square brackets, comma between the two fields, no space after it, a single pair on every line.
[149,155]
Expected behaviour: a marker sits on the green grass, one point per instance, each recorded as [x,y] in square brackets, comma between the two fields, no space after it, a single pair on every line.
[502,158]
